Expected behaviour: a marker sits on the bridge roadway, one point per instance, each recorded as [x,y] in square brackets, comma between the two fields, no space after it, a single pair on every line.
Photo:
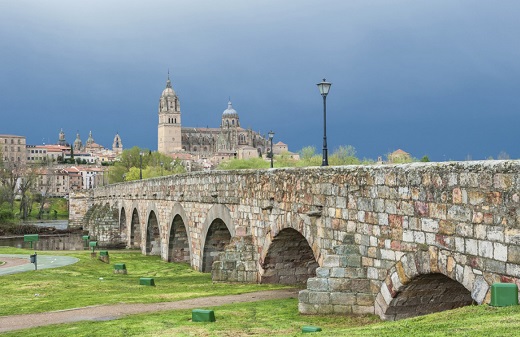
[394,240]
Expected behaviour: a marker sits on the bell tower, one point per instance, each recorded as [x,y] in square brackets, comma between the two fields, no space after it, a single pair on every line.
[169,130]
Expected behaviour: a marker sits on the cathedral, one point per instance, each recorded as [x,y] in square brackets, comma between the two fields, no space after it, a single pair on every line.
[229,140]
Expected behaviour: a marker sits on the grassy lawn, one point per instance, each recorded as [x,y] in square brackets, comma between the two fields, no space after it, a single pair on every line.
[92,282]
[80,285]
[280,318]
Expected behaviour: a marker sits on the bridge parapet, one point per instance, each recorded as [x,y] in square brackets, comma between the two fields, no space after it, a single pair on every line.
[372,231]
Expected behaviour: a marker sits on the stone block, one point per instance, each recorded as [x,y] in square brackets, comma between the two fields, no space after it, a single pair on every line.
[342,298]
[307,309]
[499,251]
[319,298]
[365,299]
[325,309]
[480,289]
[337,272]
[303,296]
[494,266]
[459,213]
[362,310]
[485,249]
[318,284]
[340,284]
[513,254]
[352,261]
[342,309]
[332,261]
[346,249]
[429,225]
[322,272]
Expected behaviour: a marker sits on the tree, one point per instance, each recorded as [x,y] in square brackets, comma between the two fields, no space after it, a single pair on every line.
[308,157]
[26,197]
[10,175]
[154,164]
[344,155]
[503,155]
[425,159]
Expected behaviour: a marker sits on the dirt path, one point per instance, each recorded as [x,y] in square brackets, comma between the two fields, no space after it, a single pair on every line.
[12,262]
[109,312]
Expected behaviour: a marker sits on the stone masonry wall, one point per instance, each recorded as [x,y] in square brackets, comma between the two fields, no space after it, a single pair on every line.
[373,230]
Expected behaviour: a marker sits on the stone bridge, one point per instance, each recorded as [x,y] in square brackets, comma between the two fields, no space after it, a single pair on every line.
[393,240]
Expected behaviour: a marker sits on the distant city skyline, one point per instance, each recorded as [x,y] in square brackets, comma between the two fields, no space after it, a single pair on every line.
[432,78]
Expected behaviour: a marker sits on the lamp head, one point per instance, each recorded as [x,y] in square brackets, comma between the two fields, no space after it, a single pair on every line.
[324,87]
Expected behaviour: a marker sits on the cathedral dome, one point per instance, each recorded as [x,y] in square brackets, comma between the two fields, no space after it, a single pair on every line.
[229,111]
[168,91]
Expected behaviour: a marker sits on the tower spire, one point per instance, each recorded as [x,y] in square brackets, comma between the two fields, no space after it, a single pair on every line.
[168,82]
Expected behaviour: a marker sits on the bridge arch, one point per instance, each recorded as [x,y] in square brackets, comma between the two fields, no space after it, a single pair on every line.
[123,227]
[425,282]
[289,259]
[298,224]
[135,228]
[217,231]
[179,243]
[153,232]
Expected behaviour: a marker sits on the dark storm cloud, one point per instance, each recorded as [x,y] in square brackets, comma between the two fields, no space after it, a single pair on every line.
[437,78]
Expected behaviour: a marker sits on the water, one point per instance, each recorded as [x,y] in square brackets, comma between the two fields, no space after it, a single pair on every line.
[58,224]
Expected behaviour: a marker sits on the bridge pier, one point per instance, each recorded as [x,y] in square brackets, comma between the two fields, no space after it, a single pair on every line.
[341,285]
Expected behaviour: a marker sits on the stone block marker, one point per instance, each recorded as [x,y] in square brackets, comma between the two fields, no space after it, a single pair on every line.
[120,268]
[308,328]
[201,315]
[103,256]
[504,294]
[146,281]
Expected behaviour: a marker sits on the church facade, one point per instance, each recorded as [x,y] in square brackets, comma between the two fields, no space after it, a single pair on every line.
[229,140]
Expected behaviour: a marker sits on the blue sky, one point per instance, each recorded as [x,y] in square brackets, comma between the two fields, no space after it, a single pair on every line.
[436,78]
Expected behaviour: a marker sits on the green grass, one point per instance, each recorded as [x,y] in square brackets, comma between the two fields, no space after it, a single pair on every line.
[92,282]
[80,285]
[280,318]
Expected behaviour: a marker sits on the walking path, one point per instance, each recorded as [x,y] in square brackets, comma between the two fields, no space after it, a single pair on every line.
[17,263]
[114,311]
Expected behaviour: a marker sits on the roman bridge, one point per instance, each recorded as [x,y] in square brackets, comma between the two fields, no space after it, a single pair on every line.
[394,240]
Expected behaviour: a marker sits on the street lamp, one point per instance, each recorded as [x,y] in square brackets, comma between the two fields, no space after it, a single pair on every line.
[324,90]
[271,135]
[141,165]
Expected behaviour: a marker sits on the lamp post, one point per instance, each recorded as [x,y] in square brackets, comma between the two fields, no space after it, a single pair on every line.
[324,88]
[140,165]
[271,135]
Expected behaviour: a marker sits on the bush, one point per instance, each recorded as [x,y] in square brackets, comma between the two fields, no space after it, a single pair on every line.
[6,214]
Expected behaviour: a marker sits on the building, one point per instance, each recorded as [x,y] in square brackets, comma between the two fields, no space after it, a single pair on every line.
[13,148]
[399,156]
[93,152]
[229,140]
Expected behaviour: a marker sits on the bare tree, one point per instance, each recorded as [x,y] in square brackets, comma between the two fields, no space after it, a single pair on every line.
[24,188]
[10,176]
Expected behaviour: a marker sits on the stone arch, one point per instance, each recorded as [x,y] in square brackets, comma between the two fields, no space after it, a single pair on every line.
[289,259]
[135,229]
[428,281]
[123,228]
[298,224]
[153,234]
[217,231]
[179,244]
